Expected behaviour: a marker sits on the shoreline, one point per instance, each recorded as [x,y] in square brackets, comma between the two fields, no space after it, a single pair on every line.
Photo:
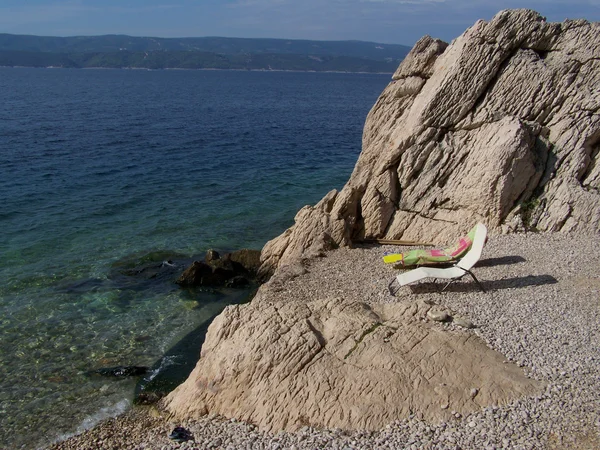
[201,69]
[541,311]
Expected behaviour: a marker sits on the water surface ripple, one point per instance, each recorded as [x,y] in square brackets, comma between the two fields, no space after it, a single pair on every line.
[99,168]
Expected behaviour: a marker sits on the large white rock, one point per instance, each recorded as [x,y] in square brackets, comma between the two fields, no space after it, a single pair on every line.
[341,364]
[502,126]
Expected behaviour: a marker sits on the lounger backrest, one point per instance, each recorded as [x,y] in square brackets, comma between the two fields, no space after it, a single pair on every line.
[474,253]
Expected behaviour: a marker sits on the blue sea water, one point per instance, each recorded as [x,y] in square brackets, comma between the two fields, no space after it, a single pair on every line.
[102,170]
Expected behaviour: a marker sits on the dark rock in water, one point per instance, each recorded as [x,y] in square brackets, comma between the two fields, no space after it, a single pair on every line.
[222,271]
[237,281]
[138,260]
[211,255]
[84,286]
[149,265]
[194,274]
[153,272]
[147,271]
[121,371]
[249,259]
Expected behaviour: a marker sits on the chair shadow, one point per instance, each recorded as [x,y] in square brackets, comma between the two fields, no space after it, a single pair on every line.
[468,285]
[501,261]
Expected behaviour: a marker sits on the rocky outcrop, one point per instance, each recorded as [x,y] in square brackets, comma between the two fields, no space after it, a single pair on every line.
[234,269]
[341,364]
[502,126]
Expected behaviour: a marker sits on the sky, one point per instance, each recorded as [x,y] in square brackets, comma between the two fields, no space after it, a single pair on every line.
[385,21]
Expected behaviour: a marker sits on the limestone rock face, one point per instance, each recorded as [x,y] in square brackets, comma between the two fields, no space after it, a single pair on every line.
[501,126]
[341,364]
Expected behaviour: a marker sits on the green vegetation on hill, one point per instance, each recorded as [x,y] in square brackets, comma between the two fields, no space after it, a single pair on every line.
[116,51]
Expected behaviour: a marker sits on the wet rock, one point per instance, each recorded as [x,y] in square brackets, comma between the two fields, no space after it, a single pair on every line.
[211,255]
[249,259]
[223,269]
[194,274]
[237,281]
[232,269]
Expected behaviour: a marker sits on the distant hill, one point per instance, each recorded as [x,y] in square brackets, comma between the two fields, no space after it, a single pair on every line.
[120,51]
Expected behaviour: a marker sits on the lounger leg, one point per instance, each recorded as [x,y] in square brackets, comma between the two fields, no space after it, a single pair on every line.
[390,288]
[470,273]
[475,278]
[448,284]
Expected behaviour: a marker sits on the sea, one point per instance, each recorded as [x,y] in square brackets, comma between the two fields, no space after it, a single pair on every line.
[111,183]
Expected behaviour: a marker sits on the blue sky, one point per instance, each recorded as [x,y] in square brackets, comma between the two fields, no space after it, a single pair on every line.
[387,21]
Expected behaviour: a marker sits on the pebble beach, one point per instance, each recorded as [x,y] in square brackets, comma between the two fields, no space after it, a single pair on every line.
[541,310]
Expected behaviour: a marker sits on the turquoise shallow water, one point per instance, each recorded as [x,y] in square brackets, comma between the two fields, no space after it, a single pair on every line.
[98,169]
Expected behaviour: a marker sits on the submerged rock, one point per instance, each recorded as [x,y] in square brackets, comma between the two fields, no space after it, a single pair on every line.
[500,127]
[121,371]
[137,272]
[141,270]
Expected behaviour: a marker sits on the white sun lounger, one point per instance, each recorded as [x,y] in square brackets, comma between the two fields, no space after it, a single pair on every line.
[457,271]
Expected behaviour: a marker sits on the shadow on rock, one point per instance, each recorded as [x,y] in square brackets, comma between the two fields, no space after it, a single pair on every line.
[173,368]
